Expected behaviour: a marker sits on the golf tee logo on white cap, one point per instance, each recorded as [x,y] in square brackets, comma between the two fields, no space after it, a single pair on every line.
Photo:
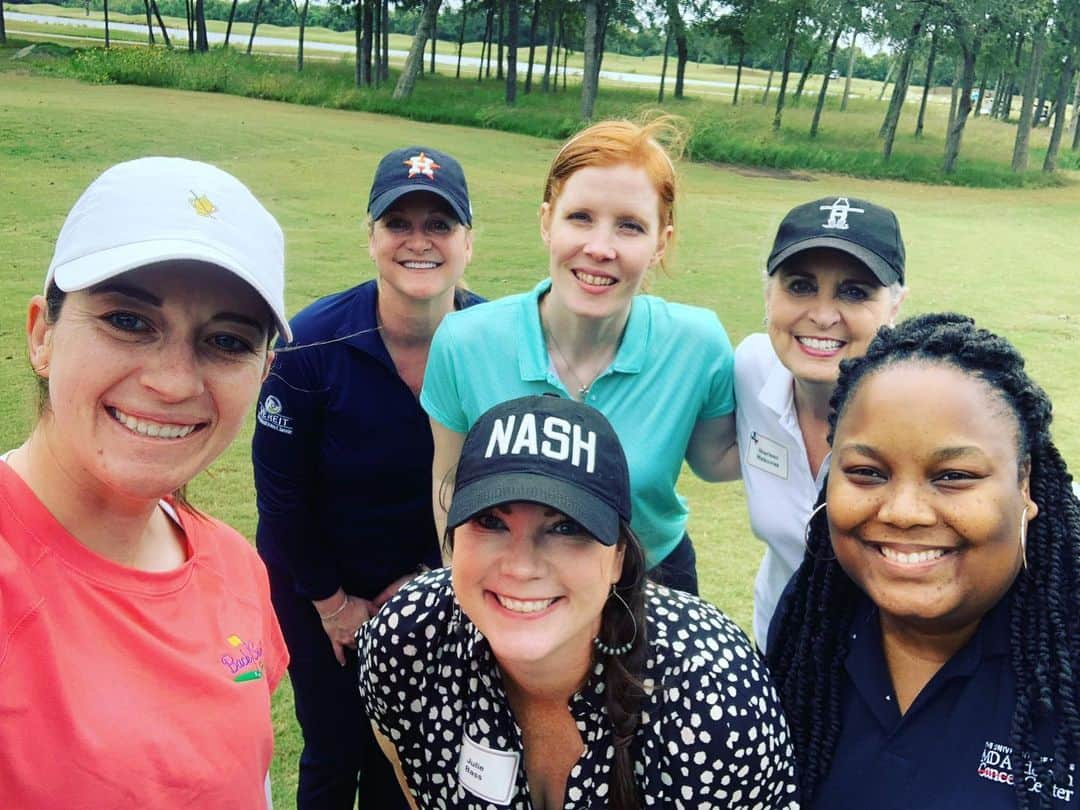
[162,209]
[554,438]
[838,214]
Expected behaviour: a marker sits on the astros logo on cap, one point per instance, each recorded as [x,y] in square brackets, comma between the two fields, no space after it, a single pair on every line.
[422,164]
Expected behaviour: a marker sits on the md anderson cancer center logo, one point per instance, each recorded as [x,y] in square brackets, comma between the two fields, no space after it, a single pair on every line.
[996,764]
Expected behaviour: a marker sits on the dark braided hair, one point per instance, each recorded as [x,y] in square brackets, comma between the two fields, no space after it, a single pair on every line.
[810,645]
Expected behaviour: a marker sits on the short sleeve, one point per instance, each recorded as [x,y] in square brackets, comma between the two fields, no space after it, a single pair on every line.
[440,395]
[397,655]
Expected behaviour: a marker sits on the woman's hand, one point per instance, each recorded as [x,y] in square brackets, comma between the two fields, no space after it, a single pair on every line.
[341,616]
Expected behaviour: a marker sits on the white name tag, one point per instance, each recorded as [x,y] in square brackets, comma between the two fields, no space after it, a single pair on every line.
[767,455]
[487,773]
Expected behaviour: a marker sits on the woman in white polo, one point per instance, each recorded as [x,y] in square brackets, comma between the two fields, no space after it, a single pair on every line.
[835,275]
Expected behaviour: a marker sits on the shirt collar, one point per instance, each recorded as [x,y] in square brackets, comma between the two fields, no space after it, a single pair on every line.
[533,359]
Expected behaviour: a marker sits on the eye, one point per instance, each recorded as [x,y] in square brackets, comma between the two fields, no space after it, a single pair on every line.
[801,286]
[396,224]
[569,528]
[856,293]
[578,216]
[631,225]
[488,521]
[863,474]
[230,344]
[438,227]
[956,477]
[126,322]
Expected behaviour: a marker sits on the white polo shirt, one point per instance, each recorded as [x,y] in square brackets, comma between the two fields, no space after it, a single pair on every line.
[780,489]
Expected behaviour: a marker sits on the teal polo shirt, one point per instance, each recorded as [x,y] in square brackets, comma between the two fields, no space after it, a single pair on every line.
[674,367]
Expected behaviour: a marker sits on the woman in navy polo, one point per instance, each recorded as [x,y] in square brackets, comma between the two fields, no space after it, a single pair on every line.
[342,456]
[926,651]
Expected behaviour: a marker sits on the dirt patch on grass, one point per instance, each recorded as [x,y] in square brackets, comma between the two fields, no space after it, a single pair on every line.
[768,171]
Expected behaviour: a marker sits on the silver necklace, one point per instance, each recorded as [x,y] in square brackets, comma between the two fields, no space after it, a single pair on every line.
[583,388]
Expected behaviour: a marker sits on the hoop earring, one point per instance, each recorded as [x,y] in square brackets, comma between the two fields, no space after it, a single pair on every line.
[806,532]
[1023,537]
[624,648]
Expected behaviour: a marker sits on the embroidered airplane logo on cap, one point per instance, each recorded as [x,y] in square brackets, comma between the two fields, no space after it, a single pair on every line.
[422,164]
[838,213]
[202,205]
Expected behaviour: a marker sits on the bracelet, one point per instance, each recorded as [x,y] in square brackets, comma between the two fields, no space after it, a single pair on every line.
[335,613]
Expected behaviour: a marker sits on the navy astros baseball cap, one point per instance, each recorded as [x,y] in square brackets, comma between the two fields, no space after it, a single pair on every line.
[868,232]
[418,168]
[547,450]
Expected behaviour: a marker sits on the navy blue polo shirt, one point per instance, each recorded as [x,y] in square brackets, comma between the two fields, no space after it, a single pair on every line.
[342,455]
[952,748]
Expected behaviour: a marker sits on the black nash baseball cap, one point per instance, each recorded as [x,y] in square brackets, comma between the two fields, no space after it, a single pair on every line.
[868,232]
[418,168]
[547,450]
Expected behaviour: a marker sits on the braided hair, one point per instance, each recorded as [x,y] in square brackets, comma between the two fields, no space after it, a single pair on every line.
[807,654]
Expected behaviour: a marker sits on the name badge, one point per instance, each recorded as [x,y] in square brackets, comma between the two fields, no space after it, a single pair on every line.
[767,455]
[487,773]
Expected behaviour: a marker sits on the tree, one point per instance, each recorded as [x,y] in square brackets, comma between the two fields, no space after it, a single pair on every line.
[552,33]
[1068,28]
[150,24]
[590,73]
[228,28]
[3,28]
[677,30]
[825,81]
[791,28]
[534,20]
[407,79]
[511,52]
[929,81]
[903,79]
[302,12]
[850,69]
[461,36]
[365,35]
[254,24]
[202,42]
[1023,129]
[105,4]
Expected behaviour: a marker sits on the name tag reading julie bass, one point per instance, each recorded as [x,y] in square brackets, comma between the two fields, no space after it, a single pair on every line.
[487,773]
[767,455]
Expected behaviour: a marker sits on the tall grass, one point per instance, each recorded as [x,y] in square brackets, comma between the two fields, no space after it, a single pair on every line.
[720,132]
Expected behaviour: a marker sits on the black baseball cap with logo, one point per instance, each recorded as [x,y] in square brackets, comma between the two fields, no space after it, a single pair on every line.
[868,232]
[547,450]
[419,168]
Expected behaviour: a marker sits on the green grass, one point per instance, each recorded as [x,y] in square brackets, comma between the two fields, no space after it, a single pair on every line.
[1005,256]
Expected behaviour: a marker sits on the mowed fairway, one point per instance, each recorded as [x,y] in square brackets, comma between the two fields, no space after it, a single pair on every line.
[1007,257]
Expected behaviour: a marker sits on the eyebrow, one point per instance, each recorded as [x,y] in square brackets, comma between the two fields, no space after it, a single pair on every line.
[139,294]
[944,454]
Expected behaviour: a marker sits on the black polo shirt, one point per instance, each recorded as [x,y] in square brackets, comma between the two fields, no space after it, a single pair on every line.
[952,749]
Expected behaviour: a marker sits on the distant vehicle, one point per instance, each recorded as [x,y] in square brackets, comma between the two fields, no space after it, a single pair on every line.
[835,74]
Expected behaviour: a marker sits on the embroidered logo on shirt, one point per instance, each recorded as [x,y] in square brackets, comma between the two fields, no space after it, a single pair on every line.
[838,214]
[996,765]
[246,665]
[270,416]
[202,205]
[422,164]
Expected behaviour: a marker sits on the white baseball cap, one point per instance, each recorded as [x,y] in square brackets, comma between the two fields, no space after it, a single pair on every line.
[158,209]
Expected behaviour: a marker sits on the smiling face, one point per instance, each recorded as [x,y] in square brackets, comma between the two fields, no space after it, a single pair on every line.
[419,248]
[926,495]
[150,376]
[534,583]
[603,233]
[824,306]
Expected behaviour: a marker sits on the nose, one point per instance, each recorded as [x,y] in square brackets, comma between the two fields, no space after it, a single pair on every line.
[417,241]
[905,506]
[599,246]
[824,313]
[522,558]
[173,372]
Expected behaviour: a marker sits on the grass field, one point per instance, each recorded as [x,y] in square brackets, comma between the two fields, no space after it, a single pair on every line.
[1006,256]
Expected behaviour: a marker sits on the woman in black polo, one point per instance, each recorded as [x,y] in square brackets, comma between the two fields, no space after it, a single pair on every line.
[541,670]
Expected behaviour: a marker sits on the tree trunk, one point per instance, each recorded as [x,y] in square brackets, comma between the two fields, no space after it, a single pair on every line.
[376,37]
[485,45]
[300,36]
[384,29]
[850,70]
[407,79]
[738,72]
[1013,77]
[150,24]
[189,7]
[1074,125]
[232,16]
[490,34]
[565,53]
[105,3]
[768,87]
[254,25]
[161,22]
[956,132]
[785,71]
[3,27]
[954,96]
[202,42]
[545,85]
[1064,87]
[999,93]
[533,25]
[502,36]
[663,65]
[461,37]
[588,76]
[825,82]
[1023,129]
[511,53]
[601,36]
[677,29]
[929,81]
[809,65]
[899,95]
[888,78]
[365,21]
[982,93]
[434,40]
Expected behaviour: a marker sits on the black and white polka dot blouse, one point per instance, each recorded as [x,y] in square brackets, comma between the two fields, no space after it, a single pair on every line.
[712,734]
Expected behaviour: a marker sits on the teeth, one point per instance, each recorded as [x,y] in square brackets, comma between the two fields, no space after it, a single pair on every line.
[915,558]
[596,281]
[821,344]
[524,605]
[420,265]
[155,429]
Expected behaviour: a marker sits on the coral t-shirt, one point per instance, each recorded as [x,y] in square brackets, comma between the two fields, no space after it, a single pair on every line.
[121,687]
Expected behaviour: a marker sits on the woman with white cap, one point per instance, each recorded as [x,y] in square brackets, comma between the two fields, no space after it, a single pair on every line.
[541,670]
[835,275]
[138,646]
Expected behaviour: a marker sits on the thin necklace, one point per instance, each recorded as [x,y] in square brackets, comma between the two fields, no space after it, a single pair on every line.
[583,388]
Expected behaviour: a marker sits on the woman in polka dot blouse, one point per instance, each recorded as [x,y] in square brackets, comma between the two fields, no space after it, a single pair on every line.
[542,670]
